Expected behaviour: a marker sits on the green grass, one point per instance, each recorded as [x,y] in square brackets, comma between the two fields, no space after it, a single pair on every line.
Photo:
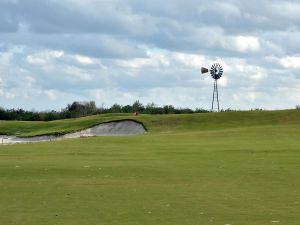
[227,168]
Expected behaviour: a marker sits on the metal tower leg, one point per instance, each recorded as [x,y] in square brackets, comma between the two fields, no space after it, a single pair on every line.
[213,100]
[215,96]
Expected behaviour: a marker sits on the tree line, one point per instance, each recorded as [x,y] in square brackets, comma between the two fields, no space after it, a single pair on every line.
[80,109]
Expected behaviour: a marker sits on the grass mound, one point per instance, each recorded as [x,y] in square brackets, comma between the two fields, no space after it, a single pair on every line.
[156,123]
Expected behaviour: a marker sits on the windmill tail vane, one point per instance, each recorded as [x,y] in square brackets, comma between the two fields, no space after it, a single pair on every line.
[204,70]
[216,73]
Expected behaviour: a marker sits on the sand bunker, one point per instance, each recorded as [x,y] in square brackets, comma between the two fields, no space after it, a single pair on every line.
[117,128]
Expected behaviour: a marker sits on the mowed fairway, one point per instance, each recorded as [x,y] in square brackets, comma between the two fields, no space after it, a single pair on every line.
[239,168]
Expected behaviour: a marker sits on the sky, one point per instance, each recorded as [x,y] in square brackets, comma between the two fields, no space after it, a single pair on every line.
[54,52]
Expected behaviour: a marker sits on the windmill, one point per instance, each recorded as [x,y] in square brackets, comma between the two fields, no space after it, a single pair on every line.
[216,72]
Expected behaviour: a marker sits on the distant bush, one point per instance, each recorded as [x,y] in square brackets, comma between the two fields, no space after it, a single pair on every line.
[80,109]
[257,109]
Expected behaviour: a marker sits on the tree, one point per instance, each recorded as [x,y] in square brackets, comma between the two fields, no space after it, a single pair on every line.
[77,109]
[150,108]
[169,109]
[127,109]
[138,107]
[115,108]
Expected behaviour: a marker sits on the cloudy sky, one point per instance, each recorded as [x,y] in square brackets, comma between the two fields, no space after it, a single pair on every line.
[54,52]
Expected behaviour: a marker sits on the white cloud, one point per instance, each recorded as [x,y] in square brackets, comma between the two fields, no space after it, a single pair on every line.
[51,94]
[290,62]
[84,60]
[223,81]
[135,63]
[251,96]
[6,58]
[7,94]
[155,58]
[191,60]
[246,44]
[35,60]
[108,97]
[43,57]
[77,73]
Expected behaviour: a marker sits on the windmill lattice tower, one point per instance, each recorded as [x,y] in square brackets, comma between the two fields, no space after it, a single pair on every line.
[216,72]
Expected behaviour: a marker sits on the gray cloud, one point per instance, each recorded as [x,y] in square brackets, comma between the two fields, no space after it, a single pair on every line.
[93,26]
[153,50]
[8,17]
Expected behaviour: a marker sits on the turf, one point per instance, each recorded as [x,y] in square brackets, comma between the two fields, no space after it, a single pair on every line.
[227,168]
